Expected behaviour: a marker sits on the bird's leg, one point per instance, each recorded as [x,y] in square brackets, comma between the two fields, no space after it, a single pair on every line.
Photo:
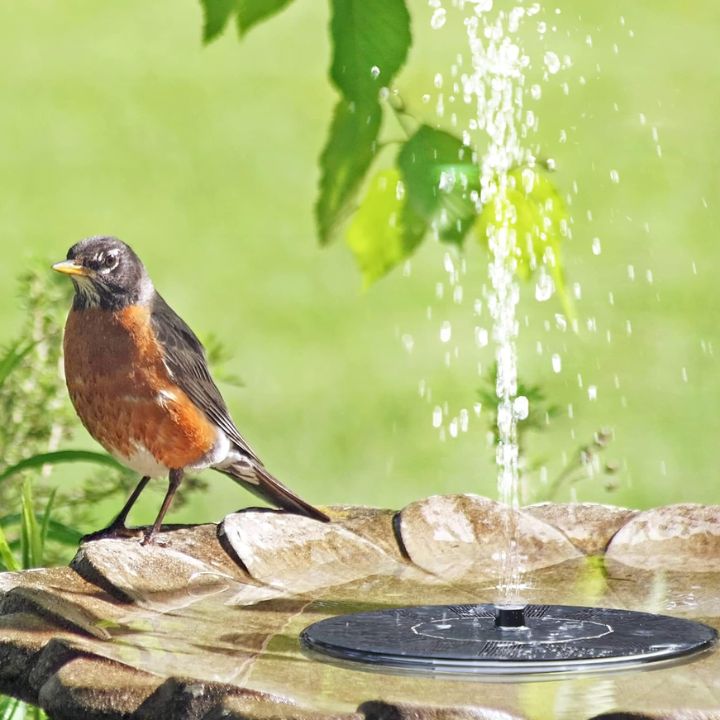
[117,527]
[174,480]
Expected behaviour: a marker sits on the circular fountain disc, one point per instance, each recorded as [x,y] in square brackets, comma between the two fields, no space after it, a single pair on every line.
[464,639]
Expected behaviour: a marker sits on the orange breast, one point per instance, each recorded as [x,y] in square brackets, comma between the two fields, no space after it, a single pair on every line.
[123,393]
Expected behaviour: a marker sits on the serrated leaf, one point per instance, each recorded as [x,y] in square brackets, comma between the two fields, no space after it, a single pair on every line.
[383,232]
[217,13]
[440,177]
[348,153]
[531,205]
[252,12]
[247,14]
[371,39]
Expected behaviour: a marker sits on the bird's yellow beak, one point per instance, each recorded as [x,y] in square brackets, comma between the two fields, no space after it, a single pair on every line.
[68,267]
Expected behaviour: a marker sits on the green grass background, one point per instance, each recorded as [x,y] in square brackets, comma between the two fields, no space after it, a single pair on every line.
[115,119]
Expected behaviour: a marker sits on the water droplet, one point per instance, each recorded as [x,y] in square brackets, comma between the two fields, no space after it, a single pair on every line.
[399,190]
[375,71]
[438,80]
[596,246]
[521,407]
[447,180]
[535,92]
[481,337]
[438,18]
[453,428]
[426,98]
[552,62]
[408,342]
[445,331]
[437,416]
[482,6]
[545,287]
[556,361]
[615,176]
[464,420]
[592,392]
[561,321]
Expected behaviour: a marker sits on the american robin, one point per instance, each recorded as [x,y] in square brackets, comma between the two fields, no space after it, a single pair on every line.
[139,380]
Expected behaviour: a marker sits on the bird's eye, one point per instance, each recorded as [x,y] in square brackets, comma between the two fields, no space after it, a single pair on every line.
[109,261]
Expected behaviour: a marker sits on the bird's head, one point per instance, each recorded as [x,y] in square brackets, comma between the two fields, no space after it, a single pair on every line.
[106,273]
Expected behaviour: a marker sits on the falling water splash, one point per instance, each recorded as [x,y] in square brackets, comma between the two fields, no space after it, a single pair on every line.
[499,128]
[496,86]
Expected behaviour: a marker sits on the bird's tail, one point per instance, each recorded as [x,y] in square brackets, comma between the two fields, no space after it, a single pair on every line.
[258,480]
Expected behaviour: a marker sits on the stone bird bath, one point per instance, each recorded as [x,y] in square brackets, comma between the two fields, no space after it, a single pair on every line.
[205,623]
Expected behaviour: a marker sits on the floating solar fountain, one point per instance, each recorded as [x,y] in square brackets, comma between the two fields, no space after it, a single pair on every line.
[506,640]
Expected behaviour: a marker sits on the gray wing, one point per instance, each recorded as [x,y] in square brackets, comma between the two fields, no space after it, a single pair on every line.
[186,361]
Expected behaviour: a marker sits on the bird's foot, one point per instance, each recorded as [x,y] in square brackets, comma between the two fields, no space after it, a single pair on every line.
[114,531]
[152,536]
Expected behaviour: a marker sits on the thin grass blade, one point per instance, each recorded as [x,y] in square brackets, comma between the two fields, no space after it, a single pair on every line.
[7,558]
[58,458]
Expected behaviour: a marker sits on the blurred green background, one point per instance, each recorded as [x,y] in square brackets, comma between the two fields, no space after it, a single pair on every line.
[116,120]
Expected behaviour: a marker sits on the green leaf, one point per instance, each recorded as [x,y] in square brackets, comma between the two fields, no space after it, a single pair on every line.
[63,534]
[371,39]
[349,151]
[383,231]
[440,177]
[248,13]
[45,523]
[532,206]
[217,13]
[252,12]
[11,709]
[29,528]
[6,556]
[56,531]
[13,356]
[57,458]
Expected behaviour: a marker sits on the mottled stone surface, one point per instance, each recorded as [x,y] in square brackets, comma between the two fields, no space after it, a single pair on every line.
[205,623]
[683,538]
[464,536]
[588,526]
[94,689]
[299,555]
[245,708]
[376,710]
